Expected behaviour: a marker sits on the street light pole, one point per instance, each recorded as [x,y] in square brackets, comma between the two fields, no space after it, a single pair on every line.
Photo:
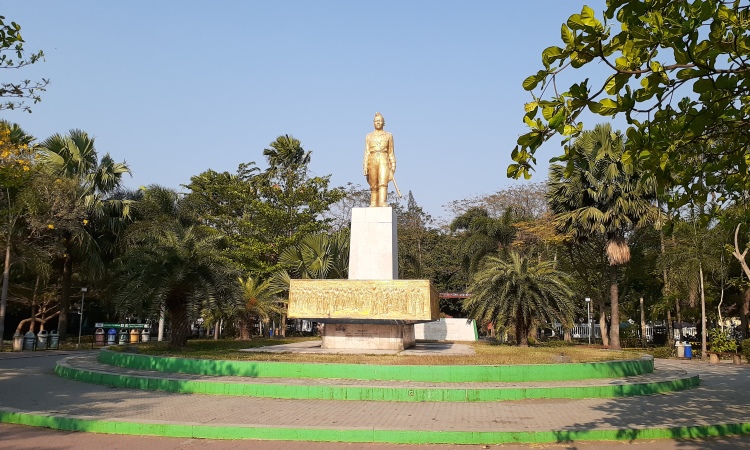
[588,311]
[80,321]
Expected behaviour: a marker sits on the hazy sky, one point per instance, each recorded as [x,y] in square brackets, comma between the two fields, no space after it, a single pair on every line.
[175,88]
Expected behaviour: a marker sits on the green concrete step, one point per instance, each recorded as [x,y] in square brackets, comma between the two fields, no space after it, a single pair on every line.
[88,369]
[426,373]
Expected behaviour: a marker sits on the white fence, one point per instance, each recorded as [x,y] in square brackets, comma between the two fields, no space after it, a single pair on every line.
[581,331]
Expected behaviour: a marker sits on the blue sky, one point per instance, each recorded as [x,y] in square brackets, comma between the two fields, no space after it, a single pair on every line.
[175,88]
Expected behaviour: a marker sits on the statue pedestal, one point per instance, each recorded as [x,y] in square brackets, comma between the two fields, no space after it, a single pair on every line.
[373,255]
[373,309]
[368,336]
[373,248]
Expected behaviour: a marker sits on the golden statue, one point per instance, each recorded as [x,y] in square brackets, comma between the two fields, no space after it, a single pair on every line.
[379,163]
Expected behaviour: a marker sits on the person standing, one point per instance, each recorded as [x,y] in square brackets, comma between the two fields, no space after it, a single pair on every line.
[380,162]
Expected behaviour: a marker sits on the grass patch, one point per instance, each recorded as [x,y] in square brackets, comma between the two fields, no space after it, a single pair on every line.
[486,353]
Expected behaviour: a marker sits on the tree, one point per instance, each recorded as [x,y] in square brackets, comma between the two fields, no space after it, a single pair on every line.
[170,259]
[677,72]
[595,198]
[74,156]
[292,201]
[11,45]
[16,156]
[264,212]
[260,301]
[481,235]
[518,291]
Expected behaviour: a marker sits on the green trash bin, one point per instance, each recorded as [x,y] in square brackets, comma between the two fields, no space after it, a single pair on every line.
[123,337]
[41,340]
[54,340]
[29,341]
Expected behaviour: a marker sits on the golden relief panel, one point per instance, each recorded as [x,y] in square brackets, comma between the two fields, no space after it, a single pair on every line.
[412,300]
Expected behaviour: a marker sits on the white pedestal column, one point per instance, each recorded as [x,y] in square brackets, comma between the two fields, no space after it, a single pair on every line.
[373,249]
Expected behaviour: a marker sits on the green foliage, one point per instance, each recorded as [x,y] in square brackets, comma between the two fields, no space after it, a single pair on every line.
[264,212]
[517,292]
[745,350]
[12,56]
[721,341]
[170,259]
[676,72]
[595,198]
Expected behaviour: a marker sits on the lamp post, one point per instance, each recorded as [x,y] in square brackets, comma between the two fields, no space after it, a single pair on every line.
[588,311]
[80,321]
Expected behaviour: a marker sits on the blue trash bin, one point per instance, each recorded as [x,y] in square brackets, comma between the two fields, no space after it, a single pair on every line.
[111,336]
[688,351]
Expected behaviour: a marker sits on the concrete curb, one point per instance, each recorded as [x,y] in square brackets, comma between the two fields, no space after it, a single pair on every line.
[371,393]
[498,373]
[71,423]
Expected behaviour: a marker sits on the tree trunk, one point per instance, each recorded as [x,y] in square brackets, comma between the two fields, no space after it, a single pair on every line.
[745,311]
[665,292]
[160,335]
[704,332]
[566,335]
[245,323]
[4,298]
[643,325]
[522,333]
[679,319]
[180,324]
[65,296]
[670,329]
[602,324]
[217,329]
[614,328]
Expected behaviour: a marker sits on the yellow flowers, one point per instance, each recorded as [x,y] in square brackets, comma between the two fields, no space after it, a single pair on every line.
[50,226]
[85,221]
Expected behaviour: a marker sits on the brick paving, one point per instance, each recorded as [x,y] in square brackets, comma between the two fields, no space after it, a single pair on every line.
[29,385]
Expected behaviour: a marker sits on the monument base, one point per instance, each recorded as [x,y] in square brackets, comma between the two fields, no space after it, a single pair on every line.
[368,336]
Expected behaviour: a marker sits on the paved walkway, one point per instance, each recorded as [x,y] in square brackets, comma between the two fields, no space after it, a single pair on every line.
[29,385]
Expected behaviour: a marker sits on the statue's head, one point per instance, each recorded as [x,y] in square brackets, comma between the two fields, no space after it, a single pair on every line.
[379,121]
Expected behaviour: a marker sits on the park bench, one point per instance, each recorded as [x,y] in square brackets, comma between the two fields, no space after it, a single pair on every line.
[715,357]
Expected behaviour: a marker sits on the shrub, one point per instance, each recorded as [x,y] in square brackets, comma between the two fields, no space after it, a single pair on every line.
[661,352]
[721,341]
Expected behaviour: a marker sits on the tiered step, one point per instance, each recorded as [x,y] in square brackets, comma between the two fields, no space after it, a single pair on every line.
[377,383]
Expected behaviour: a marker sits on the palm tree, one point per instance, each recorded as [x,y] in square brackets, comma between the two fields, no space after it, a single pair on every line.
[595,196]
[286,155]
[316,256]
[518,291]
[169,259]
[74,156]
[481,235]
[261,301]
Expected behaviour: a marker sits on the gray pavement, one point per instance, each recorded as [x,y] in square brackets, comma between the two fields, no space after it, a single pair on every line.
[29,385]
